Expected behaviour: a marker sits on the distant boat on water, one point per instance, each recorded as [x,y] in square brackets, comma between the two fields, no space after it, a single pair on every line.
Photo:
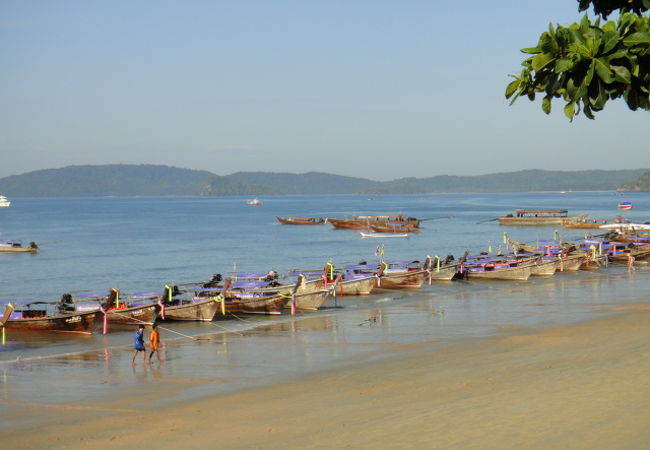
[536,217]
[4,202]
[625,206]
[254,202]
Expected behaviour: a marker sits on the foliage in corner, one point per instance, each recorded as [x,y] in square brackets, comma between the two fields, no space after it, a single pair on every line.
[605,7]
[586,64]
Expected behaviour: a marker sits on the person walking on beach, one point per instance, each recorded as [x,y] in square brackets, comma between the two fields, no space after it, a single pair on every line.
[138,344]
[154,340]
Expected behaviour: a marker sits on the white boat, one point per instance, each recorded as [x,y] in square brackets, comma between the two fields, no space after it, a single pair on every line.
[383,235]
[626,226]
[4,202]
[254,202]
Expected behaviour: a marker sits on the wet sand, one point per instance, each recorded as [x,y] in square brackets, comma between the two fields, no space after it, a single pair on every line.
[585,385]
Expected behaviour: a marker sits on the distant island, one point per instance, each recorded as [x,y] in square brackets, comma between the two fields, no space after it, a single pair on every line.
[156,180]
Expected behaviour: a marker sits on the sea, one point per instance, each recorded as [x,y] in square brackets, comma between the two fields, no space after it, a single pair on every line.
[89,245]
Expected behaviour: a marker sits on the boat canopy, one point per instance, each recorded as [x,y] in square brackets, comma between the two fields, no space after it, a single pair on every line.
[362,267]
[542,212]
[244,276]
[296,272]
[249,284]
[149,294]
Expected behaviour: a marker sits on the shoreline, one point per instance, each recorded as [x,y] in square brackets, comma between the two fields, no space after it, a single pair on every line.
[579,385]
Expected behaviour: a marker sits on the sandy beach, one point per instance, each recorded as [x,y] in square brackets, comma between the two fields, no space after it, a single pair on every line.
[579,386]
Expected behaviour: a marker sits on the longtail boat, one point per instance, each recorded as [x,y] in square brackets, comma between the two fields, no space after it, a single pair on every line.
[393,227]
[16,246]
[398,274]
[585,223]
[294,220]
[182,308]
[243,304]
[569,255]
[302,295]
[489,267]
[363,222]
[34,317]
[255,292]
[344,282]
[236,300]
[197,310]
[440,270]
[536,217]
[118,310]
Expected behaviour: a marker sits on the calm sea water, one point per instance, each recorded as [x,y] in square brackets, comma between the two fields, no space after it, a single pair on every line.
[141,244]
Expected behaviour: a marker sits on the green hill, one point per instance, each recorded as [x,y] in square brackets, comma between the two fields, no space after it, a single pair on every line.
[105,180]
[640,184]
[153,180]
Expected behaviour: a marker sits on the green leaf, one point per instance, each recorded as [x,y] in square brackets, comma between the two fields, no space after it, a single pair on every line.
[563,64]
[571,88]
[618,54]
[597,96]
[569,110]
[610,39]
[622,74]
[540,61]
[581,91]
[546,104]
[576,35]
[636,38]
[603,71]
[609,26]
[590,74]
[531,50]
[512,87]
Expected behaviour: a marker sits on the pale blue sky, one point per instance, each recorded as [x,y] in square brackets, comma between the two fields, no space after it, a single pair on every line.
[374,89]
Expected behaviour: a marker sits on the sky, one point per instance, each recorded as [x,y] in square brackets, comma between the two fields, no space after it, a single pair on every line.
[363,88]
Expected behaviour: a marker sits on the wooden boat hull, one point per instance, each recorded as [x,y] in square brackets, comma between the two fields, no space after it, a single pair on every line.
[401,280]
[77,323]
[571,263]
[640,256]
[388,228]
[358,286]
[203,310]
[6,249]
[301,221]
[596,263]
[545,268]
[444,273]
[535,221]
[348,224]
[310,301]
[135,315]
[265,305]
[367,223]
[517,273]
[583,225]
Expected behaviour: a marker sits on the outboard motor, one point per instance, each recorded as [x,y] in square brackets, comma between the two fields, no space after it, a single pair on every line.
[66,304]
[214,281]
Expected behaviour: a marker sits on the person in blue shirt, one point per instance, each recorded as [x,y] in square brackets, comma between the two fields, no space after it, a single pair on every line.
[138,344]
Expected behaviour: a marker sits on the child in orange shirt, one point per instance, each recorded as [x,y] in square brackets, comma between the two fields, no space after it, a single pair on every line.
[154,339]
